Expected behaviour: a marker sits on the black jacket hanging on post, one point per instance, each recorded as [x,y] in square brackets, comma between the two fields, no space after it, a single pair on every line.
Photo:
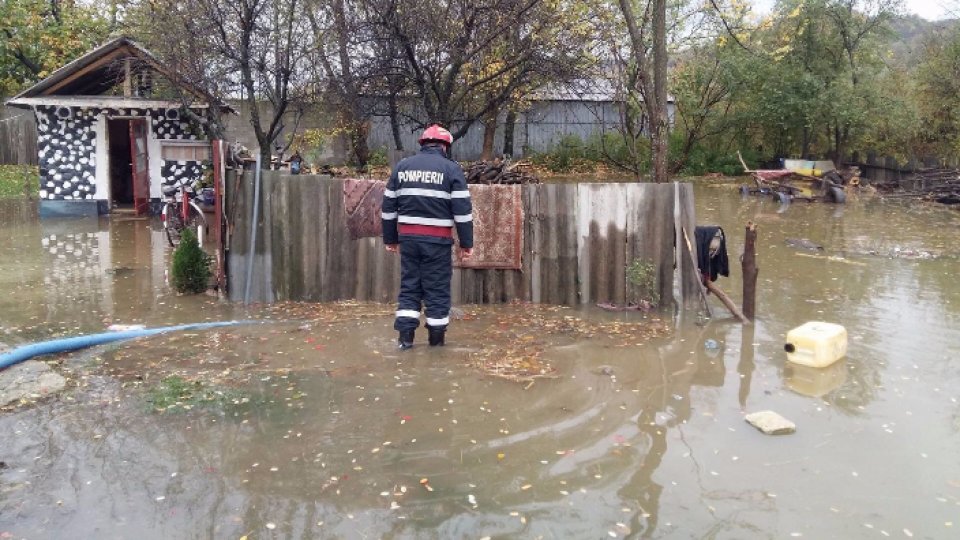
[711,267]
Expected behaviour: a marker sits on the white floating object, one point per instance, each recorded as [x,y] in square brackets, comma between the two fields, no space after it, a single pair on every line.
[816,344]
[770,423]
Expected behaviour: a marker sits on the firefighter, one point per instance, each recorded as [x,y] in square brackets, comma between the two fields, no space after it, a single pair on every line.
[425,198]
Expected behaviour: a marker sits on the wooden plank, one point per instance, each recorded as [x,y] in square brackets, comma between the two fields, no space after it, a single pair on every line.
[295,231]
[511,283]
[361,285]
[311,239]
[106,59]
[265,282]
[456,287]
[664,236]
[534,241]
[569,274]
[235,201]
[493,287]
[690,273]
[549,250]
[601,225]
[339,256]
[324,273]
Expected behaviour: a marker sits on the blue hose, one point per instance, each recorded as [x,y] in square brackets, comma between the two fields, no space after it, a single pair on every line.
[71,344]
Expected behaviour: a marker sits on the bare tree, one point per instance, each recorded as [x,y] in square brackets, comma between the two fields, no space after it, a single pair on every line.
[345,54]
[251,48]
[465,59]
[650,74]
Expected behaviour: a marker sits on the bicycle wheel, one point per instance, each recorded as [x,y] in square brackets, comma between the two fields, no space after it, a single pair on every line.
[172,223]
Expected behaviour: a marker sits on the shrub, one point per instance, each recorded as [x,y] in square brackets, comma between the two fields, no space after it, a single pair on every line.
[378,158]
[191,266]
[642,275]
[572,154]
[705,159]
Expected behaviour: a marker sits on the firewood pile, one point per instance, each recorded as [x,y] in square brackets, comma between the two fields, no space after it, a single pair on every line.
[938,185]
[501,171]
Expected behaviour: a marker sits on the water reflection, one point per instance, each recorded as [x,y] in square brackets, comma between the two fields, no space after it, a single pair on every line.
[69,276]
[630,440]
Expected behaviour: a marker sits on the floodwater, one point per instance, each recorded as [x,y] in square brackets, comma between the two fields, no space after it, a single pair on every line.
[314,427]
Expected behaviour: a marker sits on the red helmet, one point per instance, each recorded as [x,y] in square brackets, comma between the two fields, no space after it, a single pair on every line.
[436,133]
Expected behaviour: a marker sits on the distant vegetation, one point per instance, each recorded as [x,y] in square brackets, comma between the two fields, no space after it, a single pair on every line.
[811,78]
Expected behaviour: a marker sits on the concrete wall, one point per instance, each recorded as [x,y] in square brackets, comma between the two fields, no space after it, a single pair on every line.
[537,130]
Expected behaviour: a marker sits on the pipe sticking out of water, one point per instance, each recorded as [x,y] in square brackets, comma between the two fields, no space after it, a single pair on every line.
[27,352]
[253,231]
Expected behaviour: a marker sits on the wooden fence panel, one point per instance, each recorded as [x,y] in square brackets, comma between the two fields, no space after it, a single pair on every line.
[648,233]
[18,137]
[578,241]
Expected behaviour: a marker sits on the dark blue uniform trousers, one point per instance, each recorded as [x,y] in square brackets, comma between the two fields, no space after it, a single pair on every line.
[425,271]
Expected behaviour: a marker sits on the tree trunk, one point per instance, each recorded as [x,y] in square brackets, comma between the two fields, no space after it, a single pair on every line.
[358,144]
[749,268]
[265,154]
[509,125]
[489,133]
[659,128]
[394,119]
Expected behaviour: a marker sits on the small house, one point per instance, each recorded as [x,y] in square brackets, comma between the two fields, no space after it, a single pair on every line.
[114,127]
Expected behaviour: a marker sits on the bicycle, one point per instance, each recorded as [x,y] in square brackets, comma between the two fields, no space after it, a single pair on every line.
[180,212]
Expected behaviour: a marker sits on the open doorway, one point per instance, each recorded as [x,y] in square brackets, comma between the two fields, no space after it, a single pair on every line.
[121,165]
[129,165]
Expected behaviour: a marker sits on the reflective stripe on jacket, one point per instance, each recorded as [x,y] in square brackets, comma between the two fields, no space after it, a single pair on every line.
[425,198]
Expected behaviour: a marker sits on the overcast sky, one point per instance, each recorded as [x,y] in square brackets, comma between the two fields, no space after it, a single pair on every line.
[928,9]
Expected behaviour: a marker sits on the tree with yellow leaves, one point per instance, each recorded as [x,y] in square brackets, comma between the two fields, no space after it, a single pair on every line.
[39,36]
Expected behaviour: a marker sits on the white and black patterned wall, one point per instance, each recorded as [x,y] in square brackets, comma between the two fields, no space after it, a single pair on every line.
[177,173]
[66,148]
[167,125]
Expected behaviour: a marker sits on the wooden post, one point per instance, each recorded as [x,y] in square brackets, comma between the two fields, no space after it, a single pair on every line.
[749,267]
[218,193]
[127,78]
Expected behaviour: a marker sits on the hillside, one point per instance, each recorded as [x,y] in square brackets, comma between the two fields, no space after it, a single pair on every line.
[912,34]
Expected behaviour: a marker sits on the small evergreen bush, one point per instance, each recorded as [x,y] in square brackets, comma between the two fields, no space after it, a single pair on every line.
[191,266]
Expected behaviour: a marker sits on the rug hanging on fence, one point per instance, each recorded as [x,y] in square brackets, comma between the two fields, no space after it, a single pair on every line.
[361,203]
[497,228]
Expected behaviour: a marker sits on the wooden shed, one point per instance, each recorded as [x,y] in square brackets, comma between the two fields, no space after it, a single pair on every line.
[112,129]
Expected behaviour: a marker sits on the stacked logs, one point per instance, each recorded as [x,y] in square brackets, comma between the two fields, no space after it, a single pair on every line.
[939,185]
[500,171]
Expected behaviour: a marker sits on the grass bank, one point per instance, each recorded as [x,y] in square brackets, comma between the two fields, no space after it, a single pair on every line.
[19,181]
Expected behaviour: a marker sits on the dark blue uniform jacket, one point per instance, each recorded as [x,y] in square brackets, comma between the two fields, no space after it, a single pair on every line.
[425,198]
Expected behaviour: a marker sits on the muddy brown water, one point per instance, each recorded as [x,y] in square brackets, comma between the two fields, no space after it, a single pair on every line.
[642,438]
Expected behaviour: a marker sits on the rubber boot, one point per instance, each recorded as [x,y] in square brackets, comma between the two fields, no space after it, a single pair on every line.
[436,336]
[405,341]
